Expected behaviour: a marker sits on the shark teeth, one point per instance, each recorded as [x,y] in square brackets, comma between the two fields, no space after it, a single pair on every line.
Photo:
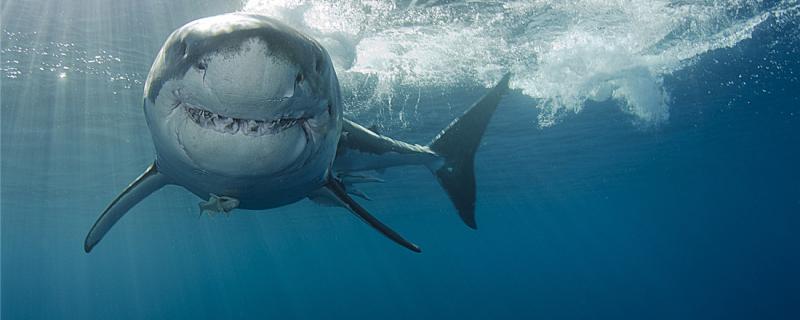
[249,127]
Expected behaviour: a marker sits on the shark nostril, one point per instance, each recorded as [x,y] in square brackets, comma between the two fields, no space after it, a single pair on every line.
[299,77]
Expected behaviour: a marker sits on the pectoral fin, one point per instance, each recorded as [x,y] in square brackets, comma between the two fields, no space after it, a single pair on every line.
[336,190]
[147,183]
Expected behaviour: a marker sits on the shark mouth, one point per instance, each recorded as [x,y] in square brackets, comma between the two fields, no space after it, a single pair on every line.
[209,120]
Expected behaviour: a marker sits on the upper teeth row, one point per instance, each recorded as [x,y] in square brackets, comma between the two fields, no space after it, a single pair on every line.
[231,125]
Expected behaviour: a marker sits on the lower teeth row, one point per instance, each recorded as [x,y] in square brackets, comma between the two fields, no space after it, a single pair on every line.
[230,125]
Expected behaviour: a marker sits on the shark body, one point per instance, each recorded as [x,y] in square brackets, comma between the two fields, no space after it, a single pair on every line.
[246,112]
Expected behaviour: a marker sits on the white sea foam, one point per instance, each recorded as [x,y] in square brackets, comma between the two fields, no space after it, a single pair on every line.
[562,53]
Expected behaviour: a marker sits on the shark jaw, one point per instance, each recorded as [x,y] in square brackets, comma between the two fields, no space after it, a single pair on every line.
[249,127]
[236,139]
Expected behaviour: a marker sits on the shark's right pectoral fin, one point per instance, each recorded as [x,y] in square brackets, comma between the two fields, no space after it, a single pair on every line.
[150,181]
[335,190]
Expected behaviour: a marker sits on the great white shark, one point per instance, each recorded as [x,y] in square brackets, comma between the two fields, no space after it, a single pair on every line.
[246,112]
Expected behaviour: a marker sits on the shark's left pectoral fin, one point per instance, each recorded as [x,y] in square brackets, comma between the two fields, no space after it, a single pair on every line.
[335,190]
[150,181]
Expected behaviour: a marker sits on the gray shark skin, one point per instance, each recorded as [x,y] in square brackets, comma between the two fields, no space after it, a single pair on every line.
[246,112]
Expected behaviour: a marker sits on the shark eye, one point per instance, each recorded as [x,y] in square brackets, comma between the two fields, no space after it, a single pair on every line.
[318,66]
[299,77]
[182,49]
[201,65]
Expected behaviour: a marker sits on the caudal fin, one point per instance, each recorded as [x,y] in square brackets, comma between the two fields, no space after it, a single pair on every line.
[457,144]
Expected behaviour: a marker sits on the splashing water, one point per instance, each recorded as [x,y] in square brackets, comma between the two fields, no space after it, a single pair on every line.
[562,53]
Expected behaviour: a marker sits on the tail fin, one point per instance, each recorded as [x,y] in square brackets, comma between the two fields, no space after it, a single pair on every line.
[457,145]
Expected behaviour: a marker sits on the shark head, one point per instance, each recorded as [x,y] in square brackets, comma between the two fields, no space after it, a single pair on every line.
[241,95]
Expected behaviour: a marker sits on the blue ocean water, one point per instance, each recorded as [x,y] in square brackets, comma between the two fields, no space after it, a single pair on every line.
[644,166]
